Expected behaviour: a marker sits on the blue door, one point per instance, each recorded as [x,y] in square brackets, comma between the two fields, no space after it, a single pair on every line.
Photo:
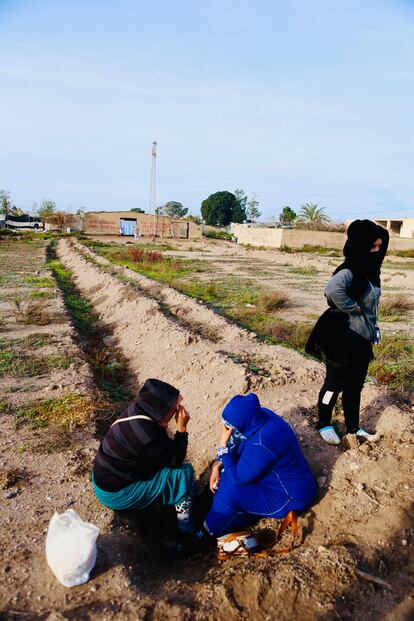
[127,226]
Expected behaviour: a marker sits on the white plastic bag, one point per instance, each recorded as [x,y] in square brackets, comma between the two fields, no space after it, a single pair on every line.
[71,548]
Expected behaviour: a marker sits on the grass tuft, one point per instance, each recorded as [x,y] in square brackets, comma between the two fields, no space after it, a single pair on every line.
[288,333]
[395,304]
[303,270]
[273,301]
[30,312]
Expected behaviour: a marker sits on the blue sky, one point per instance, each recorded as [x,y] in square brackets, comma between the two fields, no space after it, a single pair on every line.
[294,100]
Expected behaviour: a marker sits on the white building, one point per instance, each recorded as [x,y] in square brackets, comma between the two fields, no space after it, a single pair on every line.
[399,227]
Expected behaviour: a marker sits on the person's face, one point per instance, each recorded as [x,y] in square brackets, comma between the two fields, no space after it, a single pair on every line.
[376,246]
[171,413]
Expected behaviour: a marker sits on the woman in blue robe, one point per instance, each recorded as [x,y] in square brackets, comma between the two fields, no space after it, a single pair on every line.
[260,469]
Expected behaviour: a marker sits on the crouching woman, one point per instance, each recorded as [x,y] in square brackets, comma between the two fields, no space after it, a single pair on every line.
[138,464]
[260,471]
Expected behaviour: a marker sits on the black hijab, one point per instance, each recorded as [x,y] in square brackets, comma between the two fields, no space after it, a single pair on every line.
[364,265]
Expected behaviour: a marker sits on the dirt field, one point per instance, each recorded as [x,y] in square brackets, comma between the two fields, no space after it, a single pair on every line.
[362,519]
[302,275]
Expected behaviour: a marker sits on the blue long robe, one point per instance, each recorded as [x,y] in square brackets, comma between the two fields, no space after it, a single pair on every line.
[265,475]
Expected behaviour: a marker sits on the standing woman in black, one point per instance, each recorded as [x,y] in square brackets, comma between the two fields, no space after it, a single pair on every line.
[345,334]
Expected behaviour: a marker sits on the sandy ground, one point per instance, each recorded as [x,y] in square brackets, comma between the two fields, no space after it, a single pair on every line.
[362,518]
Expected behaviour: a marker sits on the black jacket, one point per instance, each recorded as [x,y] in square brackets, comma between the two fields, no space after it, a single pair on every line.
[135,450]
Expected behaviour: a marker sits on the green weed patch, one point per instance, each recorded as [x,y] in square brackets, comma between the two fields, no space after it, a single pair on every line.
[218,235]
[14,364]
[68,412]
[30,341]
[303,271]
[409,254]
[81,310]
[43,295]
[333,252]
[393,364]
[39,281]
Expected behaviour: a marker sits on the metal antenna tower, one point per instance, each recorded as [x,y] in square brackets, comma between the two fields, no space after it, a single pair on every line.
[153,182]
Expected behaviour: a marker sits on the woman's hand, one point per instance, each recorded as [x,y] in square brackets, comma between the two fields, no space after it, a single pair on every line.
[181,418]
[225,434]
[215,476]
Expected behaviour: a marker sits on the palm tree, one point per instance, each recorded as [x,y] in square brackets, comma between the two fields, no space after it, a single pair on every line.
[311,213]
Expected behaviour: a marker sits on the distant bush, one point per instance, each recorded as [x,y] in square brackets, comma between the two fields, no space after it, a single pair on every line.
[218,235]
[138,255]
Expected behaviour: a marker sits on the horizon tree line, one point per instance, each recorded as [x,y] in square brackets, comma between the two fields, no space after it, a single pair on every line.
[218,209]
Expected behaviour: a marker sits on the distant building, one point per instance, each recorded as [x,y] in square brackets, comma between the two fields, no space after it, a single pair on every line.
[398,227]
[149,225]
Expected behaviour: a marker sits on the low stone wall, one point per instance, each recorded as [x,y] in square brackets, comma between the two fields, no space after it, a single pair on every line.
[258,236]
[297,238]
[401,243]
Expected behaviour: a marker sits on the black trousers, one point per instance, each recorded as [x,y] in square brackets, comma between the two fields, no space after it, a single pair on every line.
[347,378]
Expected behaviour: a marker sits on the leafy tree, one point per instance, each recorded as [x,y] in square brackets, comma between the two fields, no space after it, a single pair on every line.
[218,209]
[5,203]
[6,206]
[174,209]
[287,215]
[159,211]
[137,210]
[311,213]
[47,208]
[252,211]
[239,212]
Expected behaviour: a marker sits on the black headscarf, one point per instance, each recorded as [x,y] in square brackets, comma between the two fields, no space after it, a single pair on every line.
[364,265]
[156,398]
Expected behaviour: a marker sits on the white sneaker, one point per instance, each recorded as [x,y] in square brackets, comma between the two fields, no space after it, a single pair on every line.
[329,435]
[369,437]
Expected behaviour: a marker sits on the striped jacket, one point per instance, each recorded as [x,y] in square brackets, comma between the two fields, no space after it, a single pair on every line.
[136,450]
